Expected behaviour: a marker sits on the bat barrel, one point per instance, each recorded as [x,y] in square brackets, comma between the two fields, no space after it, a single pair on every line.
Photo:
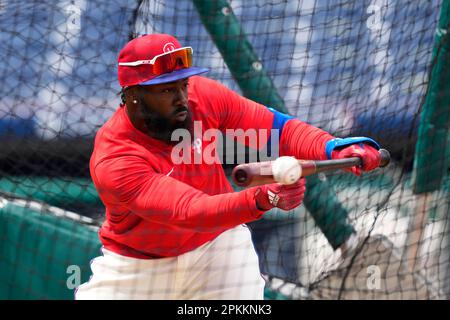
[252,174]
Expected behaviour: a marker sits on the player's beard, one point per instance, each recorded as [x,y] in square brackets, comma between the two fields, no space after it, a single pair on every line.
[162,128]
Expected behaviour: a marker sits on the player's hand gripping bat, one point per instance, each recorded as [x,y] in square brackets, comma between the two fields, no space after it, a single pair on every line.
[288,170]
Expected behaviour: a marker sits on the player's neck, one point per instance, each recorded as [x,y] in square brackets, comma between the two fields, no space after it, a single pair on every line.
[136,121]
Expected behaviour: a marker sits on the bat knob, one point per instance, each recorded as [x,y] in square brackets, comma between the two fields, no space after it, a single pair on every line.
[385,157]
[240,177]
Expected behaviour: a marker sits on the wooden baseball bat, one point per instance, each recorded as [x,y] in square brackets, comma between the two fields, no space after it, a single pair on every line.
[258,173]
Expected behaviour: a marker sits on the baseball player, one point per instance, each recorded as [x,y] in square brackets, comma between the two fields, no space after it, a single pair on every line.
[178,230]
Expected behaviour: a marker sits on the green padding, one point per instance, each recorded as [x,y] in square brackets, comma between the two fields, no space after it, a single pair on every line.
[36,250]
[431,162]
[59,192]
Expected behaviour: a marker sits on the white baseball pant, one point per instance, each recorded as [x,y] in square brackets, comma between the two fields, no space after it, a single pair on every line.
[224,268]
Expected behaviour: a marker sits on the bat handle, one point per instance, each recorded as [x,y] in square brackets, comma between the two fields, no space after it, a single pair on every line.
[385,158]
[312,167]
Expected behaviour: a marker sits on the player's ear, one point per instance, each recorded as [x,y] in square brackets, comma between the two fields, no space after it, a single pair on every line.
[131,95]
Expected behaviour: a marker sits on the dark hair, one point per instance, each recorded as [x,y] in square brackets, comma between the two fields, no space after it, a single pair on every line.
[122,94]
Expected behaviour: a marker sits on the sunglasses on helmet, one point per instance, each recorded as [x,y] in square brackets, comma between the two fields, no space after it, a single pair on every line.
[166,62]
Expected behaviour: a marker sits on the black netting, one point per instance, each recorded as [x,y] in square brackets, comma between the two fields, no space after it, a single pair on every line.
[353,68]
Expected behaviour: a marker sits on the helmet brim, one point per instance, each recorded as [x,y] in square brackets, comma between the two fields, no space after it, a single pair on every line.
[175,76]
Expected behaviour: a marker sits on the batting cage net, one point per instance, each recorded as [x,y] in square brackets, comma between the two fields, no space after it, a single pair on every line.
[376,68]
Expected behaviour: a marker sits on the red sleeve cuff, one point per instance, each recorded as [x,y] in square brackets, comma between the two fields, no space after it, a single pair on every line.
[255,212]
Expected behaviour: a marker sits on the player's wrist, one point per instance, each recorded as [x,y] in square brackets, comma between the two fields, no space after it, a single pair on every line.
[336,144]
[261,200]
[254,208]
[258,207]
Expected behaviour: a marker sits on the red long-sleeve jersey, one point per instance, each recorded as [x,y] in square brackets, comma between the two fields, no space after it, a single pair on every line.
[158,208]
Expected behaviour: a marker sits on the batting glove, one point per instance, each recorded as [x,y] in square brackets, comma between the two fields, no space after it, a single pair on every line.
[369,155]
[285,197]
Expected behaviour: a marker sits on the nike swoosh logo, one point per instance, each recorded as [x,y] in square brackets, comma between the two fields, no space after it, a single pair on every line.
[170,172]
